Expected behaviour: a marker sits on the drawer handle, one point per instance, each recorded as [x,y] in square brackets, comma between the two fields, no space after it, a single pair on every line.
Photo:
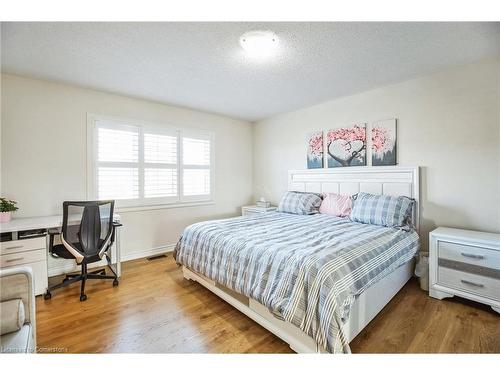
[14,247]
[472,283]
[14,260]
[474,256]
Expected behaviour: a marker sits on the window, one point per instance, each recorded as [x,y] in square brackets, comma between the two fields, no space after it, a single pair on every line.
[196,166]
[144,164]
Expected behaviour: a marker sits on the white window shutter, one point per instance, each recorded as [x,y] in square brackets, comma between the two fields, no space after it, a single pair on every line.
[196,164]
[160,158]
[141,165]
[196,182]
[196,151]
[117,158]
[160,148]
[118,183]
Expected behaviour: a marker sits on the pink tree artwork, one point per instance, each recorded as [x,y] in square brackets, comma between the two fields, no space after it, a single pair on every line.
[315,150]
[384,142]
[346,146]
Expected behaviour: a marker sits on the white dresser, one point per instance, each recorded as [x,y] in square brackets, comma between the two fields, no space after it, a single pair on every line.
[29,252]
[465,263]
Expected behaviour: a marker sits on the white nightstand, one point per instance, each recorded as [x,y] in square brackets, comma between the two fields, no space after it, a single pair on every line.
[465,263]
[256,210]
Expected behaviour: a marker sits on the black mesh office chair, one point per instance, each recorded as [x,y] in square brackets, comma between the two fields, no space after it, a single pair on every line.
[88,242]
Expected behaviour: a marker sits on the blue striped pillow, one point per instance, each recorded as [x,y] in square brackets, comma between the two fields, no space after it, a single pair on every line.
[294,202]
[382,210]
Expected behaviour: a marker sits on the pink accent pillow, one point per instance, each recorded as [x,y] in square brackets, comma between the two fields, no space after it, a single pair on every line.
[336,205]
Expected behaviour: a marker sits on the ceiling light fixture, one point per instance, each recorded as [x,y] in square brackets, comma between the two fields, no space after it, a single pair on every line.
[259,44]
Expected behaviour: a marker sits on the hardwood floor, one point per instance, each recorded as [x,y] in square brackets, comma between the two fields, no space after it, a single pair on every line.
[154,310]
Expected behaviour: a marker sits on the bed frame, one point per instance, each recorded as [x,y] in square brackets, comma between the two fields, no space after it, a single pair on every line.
[377,180]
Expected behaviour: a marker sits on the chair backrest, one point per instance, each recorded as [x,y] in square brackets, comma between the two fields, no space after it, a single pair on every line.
[95,228]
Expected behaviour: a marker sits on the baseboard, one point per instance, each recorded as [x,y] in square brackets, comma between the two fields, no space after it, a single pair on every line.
[70,265]
[149,252]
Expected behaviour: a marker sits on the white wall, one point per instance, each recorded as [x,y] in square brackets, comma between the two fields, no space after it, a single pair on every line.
[448,123]
[44,156]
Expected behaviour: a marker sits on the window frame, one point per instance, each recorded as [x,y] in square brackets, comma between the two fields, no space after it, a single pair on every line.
[143,203]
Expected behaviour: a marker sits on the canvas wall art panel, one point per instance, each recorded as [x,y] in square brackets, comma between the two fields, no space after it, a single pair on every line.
[346,146]
[384,142]
[315,150]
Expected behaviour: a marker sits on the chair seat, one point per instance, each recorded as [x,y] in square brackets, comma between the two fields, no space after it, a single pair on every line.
[62,252]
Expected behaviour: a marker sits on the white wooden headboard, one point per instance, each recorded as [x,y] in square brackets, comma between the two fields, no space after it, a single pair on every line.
[351,180]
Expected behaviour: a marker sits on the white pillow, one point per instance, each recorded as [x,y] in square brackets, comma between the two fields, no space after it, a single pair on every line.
[12,317]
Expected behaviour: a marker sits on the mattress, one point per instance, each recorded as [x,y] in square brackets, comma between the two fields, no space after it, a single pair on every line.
[307,269]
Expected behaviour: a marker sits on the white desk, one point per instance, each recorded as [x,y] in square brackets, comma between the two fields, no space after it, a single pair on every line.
[33,252]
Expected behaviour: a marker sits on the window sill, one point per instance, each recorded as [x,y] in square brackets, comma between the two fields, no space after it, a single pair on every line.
[163,206]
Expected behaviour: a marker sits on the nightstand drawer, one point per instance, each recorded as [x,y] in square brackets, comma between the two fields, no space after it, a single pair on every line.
[470,283]
[469,254]
[256,210]
[251,213]
[18,246]
[25,257]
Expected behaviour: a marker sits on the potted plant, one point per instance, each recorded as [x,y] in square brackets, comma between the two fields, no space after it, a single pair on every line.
[6,208]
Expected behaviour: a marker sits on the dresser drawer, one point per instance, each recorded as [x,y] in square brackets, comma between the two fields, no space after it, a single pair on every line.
[470,283]
[39,275]
[21,258]
[469,254]
[11,247]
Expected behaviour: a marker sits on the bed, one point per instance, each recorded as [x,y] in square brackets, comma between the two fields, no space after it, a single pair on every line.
[313,280]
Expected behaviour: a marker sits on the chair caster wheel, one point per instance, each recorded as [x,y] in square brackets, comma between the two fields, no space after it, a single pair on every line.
[83,297]
[47,296]
[115,282]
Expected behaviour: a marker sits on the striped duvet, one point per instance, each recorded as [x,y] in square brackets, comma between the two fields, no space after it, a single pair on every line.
[306,268]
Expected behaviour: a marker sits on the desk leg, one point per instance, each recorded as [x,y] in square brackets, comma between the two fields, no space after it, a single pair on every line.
[118,253]
[47,255]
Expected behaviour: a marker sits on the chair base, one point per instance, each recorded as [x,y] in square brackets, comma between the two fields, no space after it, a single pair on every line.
[82,277]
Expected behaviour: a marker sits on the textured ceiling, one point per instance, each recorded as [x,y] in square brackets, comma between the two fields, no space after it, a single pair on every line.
[201,65]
